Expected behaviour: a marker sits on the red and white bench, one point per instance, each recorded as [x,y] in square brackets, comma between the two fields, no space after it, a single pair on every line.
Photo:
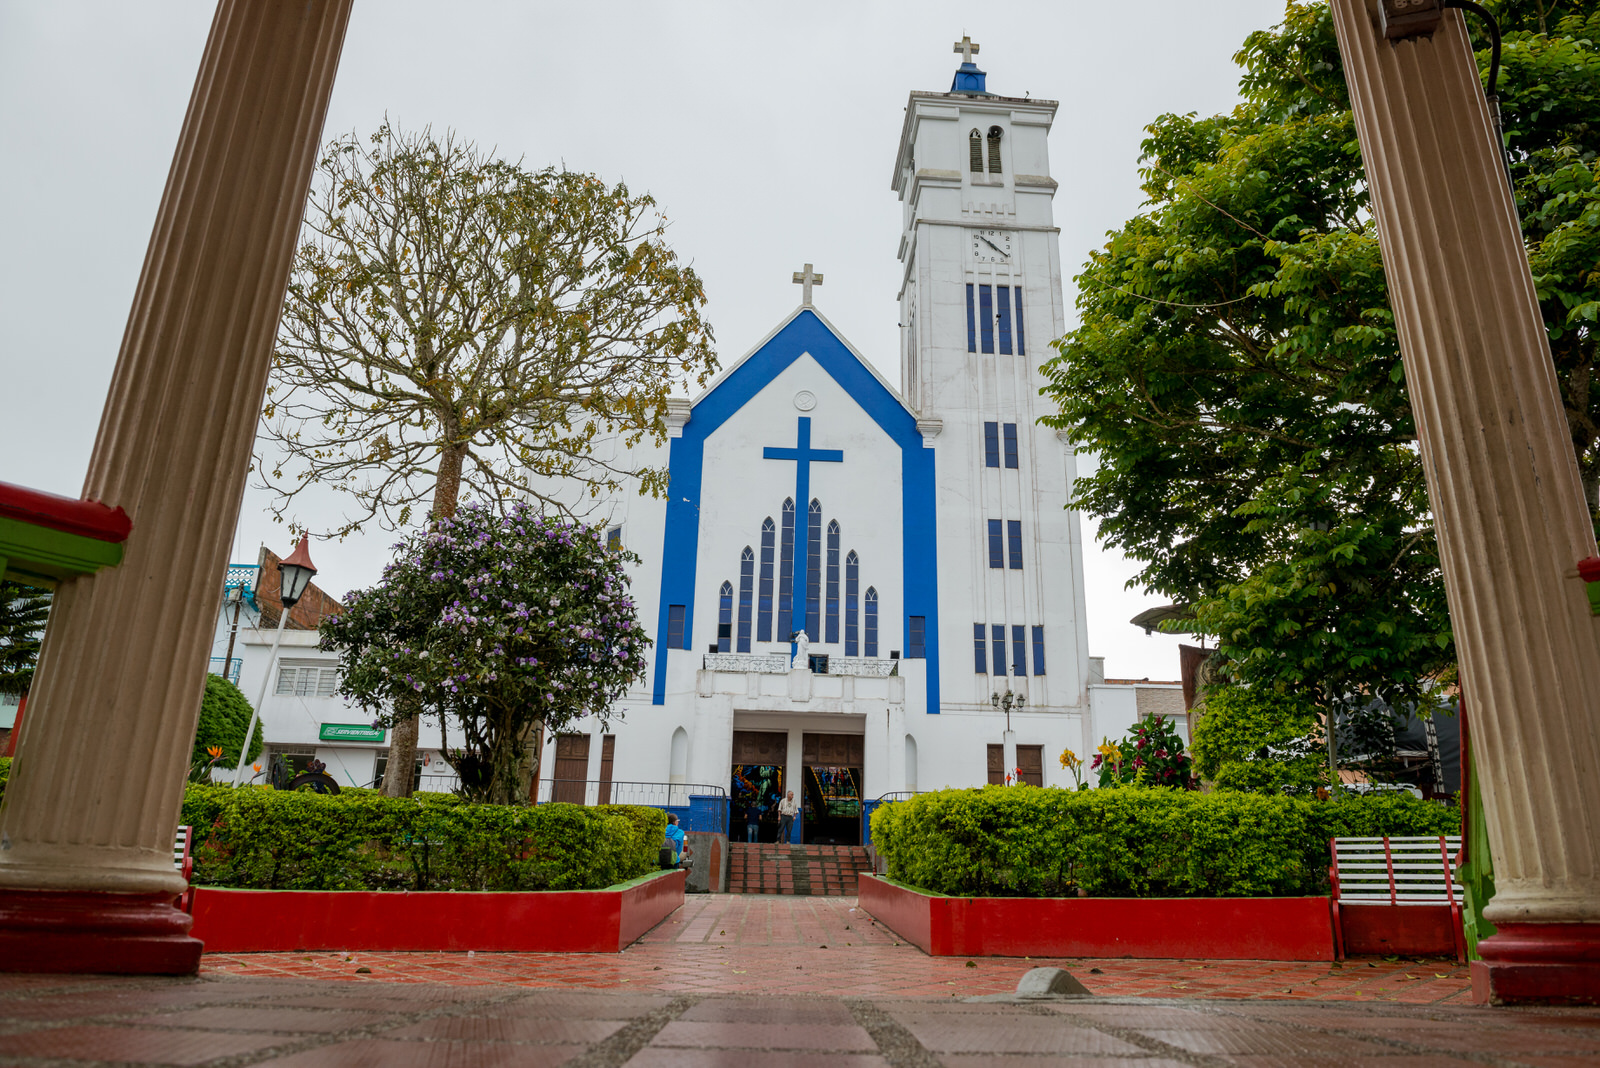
[183,860]
[1396,896]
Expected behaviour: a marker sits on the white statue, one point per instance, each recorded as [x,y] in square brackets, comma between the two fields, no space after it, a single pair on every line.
[802,652]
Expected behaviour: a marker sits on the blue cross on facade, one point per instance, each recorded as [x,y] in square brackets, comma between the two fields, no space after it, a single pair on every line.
[803,455]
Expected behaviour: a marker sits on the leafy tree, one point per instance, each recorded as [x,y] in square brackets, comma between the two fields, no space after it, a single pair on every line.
[455,319]
[23,611]
[502,624]
[224,717]
[1236,366]
[1254,739]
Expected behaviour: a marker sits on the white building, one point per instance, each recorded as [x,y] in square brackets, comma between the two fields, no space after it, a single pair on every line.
[920,539]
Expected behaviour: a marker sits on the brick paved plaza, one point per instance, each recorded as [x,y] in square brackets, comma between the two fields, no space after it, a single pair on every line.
[745,980]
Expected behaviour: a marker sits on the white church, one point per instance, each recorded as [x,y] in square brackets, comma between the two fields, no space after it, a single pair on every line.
[857,591]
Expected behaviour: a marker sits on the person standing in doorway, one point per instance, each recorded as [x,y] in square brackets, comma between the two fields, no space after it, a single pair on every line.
[752,822]
[788,809]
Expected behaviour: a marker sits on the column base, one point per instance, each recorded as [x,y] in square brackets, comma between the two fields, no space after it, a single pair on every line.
[88,932]
[1539,964]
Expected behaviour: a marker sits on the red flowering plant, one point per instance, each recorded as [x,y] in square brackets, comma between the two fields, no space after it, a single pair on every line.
[1150,754]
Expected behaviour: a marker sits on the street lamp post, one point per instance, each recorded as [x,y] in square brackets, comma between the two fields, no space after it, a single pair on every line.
[294,575]
[1008,740]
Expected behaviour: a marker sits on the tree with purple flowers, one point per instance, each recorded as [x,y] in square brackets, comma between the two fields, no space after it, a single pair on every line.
[502,623]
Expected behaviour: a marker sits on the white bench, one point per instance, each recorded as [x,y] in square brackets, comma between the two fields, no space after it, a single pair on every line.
[183,860]
[1372,877]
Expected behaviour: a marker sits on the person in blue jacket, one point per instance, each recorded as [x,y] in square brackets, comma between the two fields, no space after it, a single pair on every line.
[675,847]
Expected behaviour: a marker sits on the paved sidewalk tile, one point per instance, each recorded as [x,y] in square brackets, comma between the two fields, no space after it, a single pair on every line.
[379,1053]
[722,1034]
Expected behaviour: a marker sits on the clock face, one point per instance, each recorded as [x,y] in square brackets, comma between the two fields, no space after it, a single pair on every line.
[991,246]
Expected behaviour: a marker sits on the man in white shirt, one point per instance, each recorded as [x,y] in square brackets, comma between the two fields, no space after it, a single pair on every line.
[788,809]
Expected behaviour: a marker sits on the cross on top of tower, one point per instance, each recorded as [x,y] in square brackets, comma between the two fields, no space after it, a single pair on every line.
[966,48]
[806,279]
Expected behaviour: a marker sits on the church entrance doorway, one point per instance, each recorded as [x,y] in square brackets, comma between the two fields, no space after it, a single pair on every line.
[831,784]
[760,759]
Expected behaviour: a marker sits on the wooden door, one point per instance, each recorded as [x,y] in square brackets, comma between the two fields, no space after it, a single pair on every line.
[1030,758]
[608,751]
[572,768]
[997,765]
[833,750]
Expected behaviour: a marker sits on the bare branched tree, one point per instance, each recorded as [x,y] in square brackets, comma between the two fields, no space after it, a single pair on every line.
[454,318]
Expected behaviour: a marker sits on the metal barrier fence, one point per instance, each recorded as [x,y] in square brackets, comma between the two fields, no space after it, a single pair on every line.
[698,807]
[869,807]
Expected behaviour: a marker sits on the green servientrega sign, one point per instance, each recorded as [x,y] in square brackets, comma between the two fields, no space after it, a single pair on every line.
[350,732]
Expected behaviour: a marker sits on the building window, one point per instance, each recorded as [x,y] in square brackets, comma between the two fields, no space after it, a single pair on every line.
[725,618]
[786,574]
[1014,542]
[814,571]
[991,445]
[852,586]
[1038,650]
[995,134]
[764,609]
[1018,290]
[997,557]
[832,621]
[675,627]
[1003,317]
[614,539]
[916,638]
[1011,446]
[1019,651]
[872,621]
[980,657]
[997,637]
[986,318]
[307,681]
[975,152]
[747,570]
[972,322]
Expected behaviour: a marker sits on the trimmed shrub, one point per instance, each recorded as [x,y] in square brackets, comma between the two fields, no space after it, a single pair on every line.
[224,715]
[265,839]
[1251,739]
[1023,841]
[5,774]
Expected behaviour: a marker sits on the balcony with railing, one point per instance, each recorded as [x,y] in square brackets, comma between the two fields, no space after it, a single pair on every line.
[242,577]
[232,672]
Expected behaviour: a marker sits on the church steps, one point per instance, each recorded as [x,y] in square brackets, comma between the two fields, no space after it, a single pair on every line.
[802,870]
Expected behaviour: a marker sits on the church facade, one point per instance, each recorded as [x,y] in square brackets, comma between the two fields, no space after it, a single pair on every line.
[856,590]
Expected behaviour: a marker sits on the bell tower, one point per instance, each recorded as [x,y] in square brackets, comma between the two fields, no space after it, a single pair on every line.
[980,301]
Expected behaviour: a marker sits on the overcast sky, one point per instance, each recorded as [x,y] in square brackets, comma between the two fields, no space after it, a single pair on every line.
[767,132]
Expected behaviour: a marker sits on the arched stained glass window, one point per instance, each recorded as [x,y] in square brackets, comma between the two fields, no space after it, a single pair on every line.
[872,622]
[852,605]
[764,606]
[786,574]
[725,618]
[832,613]
[747,575]
[814,570]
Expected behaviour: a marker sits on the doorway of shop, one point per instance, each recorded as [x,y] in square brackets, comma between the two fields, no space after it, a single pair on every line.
[760,759]
[831,780]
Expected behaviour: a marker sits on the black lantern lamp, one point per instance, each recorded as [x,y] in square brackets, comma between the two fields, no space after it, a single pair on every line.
[295,574]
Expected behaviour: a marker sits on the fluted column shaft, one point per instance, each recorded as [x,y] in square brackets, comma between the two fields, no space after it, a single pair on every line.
[93,800]
[1502,478]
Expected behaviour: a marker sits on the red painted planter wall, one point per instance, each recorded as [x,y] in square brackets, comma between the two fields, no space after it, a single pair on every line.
[579,921]
[1216,928]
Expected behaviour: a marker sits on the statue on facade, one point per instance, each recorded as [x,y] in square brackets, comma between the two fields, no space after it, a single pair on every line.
[802,651]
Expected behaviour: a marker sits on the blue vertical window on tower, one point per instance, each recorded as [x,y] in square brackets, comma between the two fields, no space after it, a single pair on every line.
[725,618]
[997,551]
[1014,542]
[1019,651]
[991,445]
[852,605]
[1011,446]
[986,319]
[764,611]
[871,622]
[1020,352]
[747,574]
[1003,319]
[980,657]
[814,571]
[972,323]
[675,626]
[831,620]
[997,636]
[1038,650]
[917,638]
[786,574]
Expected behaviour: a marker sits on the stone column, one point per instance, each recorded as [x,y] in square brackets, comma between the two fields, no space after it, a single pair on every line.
[86,871]
[1504,488]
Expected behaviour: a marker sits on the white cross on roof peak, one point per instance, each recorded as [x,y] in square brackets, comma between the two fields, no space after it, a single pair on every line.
[806,279]
[966,48]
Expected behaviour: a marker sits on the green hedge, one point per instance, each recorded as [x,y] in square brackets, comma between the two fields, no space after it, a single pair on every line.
[1030,842]
[5,774]
[259,838]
